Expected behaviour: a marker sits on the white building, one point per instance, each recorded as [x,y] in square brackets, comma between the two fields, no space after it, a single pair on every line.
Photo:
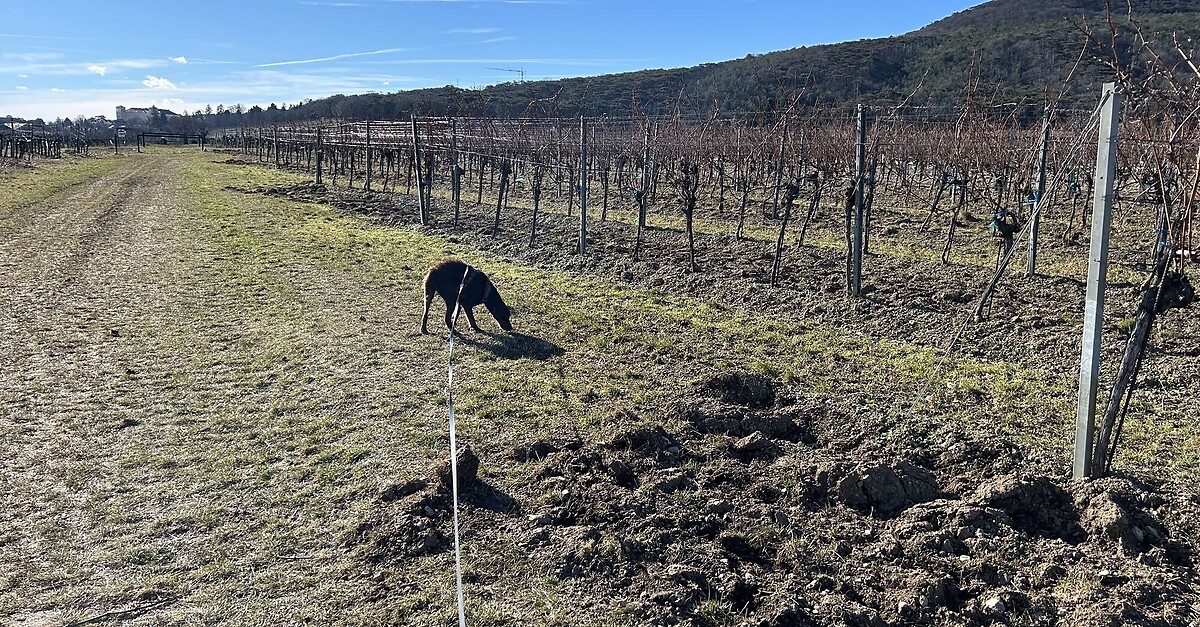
[140,116]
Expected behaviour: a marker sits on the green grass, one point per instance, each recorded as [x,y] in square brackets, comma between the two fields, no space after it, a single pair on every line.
[632,347]
[22,185]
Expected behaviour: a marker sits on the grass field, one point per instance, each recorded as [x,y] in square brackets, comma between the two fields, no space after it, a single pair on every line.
[204,392]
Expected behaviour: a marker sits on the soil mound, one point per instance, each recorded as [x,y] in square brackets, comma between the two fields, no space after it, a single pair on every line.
[778,530]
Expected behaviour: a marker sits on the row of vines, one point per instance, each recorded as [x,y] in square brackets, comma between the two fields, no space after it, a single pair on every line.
[996,161]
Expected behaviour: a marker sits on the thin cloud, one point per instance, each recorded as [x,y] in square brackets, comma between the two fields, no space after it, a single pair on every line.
[333,58]
[136,64]
[179,60]
[15,36]
[470,31]
[496,40]
[31,57]
[158,82]
[22,88]
[97,69]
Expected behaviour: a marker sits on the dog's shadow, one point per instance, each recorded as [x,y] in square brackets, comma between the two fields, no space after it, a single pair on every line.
[513,345]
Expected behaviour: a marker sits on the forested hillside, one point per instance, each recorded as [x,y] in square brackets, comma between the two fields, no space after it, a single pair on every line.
[1015,49]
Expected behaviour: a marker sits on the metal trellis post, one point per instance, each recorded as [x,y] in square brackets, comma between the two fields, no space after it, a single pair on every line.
[1093,317]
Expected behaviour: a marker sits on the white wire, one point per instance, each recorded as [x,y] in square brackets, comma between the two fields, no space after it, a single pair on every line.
[462,610]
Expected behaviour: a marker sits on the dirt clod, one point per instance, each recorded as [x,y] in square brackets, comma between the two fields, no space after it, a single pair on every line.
[886,490]
[468,470]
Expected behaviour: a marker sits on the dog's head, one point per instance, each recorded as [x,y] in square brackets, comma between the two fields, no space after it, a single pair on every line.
[503,315]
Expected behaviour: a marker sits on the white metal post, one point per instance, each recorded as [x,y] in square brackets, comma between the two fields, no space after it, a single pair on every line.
[1093,316]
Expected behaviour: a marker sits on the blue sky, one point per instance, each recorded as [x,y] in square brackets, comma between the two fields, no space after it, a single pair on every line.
[84,57]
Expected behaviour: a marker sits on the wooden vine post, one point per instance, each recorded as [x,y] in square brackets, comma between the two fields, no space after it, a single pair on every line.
[860,155]
[416,143]
[640,194]
[779,169]
[367,183]
[582,185]
[1035,215]
[320,154]
[456,172]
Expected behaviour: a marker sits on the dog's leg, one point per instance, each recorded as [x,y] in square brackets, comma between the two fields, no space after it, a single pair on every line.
[425,316]
[471,319]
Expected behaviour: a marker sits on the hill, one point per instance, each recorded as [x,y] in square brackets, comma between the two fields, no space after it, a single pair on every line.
[1019,50]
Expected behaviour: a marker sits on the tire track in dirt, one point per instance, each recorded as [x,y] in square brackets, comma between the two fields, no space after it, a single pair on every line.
[178,379]
[77,266]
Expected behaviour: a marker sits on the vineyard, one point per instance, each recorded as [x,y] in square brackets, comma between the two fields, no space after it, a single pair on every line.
[805,367]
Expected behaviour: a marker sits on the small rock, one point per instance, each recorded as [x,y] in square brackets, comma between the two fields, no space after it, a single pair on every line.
[719,507]
[751,444]
[995,605]
[821,582]
[432,541]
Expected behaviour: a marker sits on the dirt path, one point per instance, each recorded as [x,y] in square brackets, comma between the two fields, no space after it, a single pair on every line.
[79,272]
[159,377]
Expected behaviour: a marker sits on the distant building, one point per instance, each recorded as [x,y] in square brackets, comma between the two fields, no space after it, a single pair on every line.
[139,115]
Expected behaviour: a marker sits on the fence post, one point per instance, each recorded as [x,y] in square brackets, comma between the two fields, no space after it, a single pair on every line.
[779,170]
[860,156]
[417,166]
[1036,215]
[582,185]
[367,185]
[320,153]
[1093,316]
[643,194]
[455,170]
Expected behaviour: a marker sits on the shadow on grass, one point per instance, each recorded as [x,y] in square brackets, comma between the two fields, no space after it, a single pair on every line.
[486,496]
[513,345]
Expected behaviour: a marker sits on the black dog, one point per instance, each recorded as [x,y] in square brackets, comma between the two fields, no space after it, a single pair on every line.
[457,282]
